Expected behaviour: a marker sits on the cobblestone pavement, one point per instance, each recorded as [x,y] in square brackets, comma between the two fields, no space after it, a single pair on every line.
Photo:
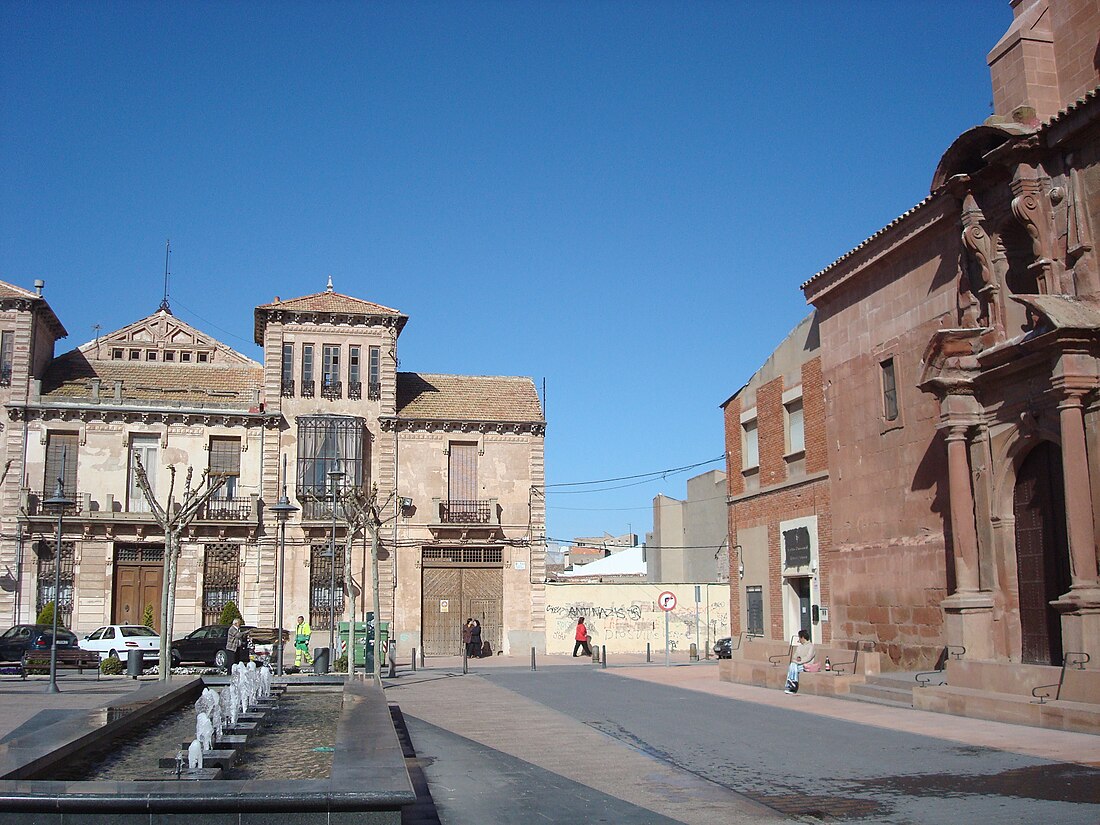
[511,744]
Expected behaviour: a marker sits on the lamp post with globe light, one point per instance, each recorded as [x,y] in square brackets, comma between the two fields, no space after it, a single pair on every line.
[282,509]
[59,501]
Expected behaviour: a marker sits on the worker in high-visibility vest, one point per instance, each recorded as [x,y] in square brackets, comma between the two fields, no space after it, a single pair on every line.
[301,642]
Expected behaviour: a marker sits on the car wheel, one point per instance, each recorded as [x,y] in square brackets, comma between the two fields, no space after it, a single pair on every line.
[176,658]
[113,654]
[221,658]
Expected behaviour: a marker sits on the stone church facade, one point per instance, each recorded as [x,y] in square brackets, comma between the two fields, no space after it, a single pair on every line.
[959,351]
[457,462]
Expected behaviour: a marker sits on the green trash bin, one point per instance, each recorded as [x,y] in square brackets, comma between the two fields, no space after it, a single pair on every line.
[364,640]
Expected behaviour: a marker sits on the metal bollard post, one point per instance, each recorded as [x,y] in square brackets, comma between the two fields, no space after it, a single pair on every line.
[693,653]
[414,659]
[648,655]
[421,657]
[533,659]
[465,668]
[603,656]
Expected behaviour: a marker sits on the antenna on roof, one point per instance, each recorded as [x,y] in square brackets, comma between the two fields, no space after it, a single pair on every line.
[329,287]
[164,301]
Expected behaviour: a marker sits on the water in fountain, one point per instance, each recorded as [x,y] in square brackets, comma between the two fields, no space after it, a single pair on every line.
[194,756]
[204,731]
[234,703]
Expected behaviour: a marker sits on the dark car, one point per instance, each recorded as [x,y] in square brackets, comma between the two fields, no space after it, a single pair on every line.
[723,648]
[206,645]
[36,638]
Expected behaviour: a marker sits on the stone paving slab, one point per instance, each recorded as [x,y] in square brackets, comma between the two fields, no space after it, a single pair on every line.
[565,752]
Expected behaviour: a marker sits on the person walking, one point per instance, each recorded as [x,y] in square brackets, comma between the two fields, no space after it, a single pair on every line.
[301,643]
[582,637]
[466,637]
[233,642]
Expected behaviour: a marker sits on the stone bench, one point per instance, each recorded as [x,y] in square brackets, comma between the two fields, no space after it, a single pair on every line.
[1056,714]
[764,664]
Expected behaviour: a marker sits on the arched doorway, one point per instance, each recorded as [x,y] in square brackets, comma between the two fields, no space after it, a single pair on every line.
[1042,553]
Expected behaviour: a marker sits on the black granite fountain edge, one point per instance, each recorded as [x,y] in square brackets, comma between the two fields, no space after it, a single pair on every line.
[368,775]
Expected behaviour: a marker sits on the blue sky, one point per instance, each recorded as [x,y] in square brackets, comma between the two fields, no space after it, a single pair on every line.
[619,198]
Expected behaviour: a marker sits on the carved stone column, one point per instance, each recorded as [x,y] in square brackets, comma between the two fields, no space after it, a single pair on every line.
[964,534]
[1081,605]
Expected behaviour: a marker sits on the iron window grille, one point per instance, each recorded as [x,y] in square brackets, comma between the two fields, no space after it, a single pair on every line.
[374,391]
[465,512]
[45,595]
[288,387]
[323,600]
[355,390]
[328,443]
[331,389]
[221,574]
[307,389]
[465,555]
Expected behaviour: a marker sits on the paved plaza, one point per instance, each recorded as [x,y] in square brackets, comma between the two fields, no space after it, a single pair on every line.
[572,742]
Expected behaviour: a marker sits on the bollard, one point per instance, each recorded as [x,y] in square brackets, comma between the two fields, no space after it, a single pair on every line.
[595,654]
[693,652]
[414,659]
[421,657]
[603,656]
[133,663]
[465,667]
[648,656]
[533,659]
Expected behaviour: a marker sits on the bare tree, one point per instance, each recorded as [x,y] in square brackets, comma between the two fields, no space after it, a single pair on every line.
[362,516]
[174,521]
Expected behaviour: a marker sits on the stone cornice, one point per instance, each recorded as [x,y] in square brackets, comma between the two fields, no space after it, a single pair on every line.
[107,414]
[390,424]
[325,318]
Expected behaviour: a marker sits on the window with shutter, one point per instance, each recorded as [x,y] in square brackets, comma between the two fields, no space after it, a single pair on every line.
[61,449]
[225,461]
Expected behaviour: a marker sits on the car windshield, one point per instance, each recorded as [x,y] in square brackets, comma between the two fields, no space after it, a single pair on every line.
[137,631]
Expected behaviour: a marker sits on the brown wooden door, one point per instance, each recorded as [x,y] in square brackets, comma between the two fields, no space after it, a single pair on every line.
[451,595]
[1042,553]
[137,585]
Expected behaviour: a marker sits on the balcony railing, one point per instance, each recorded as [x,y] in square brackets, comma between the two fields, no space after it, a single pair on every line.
[331,389]
[5,376]
[374,391]
[452,511]
[35,503]
[355,390]
[316,509]
[288,387]
[228,509]
[307,389]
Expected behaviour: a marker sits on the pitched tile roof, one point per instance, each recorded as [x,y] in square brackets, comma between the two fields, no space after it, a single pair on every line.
[12,292]
[68,378]
[327,302]
[467,398]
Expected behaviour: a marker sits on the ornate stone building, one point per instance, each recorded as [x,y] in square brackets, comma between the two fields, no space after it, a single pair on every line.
[457,461]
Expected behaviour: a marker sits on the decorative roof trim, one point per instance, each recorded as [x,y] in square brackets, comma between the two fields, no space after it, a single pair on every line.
[325,318]
[108,414]
[391,424]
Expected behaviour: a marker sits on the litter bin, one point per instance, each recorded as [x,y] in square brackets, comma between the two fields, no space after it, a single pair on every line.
[133,663]
[364,640]
[320,660]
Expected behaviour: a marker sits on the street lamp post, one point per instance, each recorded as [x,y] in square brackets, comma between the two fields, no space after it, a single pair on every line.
[282,509]
[334,483]
[59,501]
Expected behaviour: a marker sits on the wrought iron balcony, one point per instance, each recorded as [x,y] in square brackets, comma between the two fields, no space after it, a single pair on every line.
[34,502]
[228,509]
[355,390]
[307,389]
[288,387]
[331,389]
[5,376]
[374,391]
[452,511]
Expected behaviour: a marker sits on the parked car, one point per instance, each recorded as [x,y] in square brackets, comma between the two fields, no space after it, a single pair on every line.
[35,638]
[723,648]
[206,646]
[115,641]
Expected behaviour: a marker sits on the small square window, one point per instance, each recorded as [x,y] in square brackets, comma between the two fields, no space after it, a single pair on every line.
[135,355]
[151,355]
[116,354]
[203,357]
[169,355]
[185,356]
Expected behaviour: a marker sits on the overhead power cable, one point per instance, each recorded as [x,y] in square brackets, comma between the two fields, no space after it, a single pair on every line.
[645,476]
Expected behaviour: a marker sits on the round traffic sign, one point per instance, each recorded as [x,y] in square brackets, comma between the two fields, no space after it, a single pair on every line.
[667,600]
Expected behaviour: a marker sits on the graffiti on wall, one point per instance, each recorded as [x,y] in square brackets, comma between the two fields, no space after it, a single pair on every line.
[626,617]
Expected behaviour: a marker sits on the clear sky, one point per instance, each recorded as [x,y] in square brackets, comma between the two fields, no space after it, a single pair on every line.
[619,198]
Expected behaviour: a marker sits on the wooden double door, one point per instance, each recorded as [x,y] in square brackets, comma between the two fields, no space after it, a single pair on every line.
[453,594]
[139,575]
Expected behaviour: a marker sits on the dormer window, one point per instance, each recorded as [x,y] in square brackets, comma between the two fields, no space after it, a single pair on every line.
[185,357]
[203,357]
[135,355]
[151,355]
[116,354]
[169,355]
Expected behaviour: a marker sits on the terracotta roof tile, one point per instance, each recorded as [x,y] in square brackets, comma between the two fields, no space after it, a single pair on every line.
[467,398]
[68,378]
[331,302]
[11,291]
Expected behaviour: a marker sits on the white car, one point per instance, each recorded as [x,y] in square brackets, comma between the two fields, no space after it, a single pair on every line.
[115,641]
